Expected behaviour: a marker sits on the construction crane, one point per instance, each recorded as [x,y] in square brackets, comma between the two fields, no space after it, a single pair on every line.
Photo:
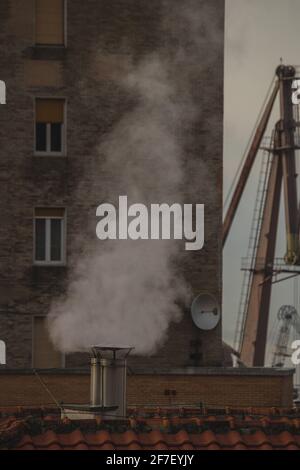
[279,168]
[289,319]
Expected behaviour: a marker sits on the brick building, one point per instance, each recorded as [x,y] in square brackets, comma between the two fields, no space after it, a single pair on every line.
[61,103]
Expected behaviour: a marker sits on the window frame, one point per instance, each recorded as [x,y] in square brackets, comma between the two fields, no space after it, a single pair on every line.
[47,261]
[63,355]
[65,35]
[47,152]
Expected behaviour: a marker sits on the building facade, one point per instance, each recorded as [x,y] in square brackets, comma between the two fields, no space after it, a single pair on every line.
[61,62]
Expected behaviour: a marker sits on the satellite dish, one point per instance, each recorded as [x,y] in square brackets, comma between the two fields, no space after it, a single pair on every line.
[205,312]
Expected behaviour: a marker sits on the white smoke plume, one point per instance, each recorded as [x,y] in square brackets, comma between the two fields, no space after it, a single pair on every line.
[128,292]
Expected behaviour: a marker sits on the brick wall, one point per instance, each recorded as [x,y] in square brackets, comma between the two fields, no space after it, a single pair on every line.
[115,30]
[212,391]
[209,387]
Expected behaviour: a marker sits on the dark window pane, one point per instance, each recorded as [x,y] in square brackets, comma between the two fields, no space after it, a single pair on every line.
[56,137]
[40,239]
[56,240]
[40,137]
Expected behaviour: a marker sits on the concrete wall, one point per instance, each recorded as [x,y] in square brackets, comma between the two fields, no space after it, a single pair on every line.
[111,32]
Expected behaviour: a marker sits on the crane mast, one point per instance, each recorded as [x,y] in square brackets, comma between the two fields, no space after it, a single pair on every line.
[282,173]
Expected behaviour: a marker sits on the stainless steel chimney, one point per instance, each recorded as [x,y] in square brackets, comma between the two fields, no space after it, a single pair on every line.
[108,379]
[107,385]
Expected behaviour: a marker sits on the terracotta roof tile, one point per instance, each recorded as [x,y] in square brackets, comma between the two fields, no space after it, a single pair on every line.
[158,430]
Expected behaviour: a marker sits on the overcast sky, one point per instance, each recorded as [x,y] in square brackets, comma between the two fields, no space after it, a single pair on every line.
[257,34]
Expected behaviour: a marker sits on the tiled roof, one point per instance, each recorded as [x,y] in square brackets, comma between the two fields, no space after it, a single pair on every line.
[153,430]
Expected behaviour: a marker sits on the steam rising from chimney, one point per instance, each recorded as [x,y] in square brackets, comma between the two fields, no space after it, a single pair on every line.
[128,292]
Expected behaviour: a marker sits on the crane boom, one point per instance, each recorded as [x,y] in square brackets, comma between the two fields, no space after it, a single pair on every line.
[250,158]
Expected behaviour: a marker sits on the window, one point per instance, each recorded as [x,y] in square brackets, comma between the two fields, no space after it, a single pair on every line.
[44,356]
[49,126]
[50,22]
[49,236]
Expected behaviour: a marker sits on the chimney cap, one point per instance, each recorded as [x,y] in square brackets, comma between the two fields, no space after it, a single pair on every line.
[100,350]
[111,347]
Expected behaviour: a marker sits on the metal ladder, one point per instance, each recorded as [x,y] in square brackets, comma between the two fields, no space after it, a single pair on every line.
[253,240]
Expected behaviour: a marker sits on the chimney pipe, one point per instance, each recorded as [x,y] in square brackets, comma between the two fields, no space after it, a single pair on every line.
[108,379]
[107,385]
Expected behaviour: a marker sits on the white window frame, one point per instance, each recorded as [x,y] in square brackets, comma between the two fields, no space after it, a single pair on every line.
[48,152]
[48,261]
[63,355]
